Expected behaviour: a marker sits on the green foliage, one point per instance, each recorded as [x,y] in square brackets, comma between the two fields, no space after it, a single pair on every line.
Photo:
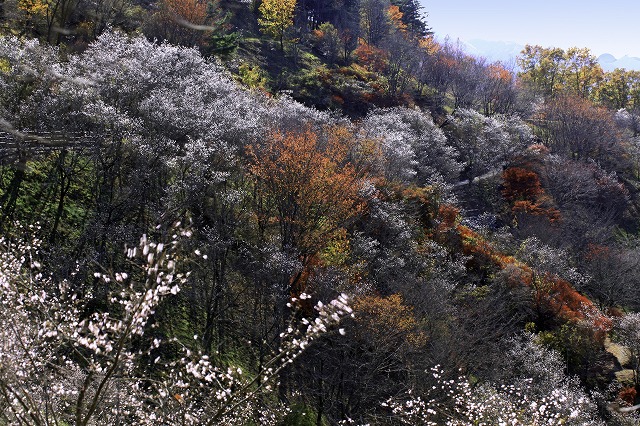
[337,251]
[312,85]
[252,76]
[582,352]
[328,41]
[38,194]
[222,44]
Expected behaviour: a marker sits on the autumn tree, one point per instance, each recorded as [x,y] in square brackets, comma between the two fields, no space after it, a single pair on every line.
[412,17]
[619,89]
[307,181]
[190,23]
[173,19]
[578,128]
[541,69]
[374,20]
[498,90]
[522,188]
[277,18]
[582,73]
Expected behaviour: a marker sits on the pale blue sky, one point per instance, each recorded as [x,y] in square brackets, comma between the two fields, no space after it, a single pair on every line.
[611,26]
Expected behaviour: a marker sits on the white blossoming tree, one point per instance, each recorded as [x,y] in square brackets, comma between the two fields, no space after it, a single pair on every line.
[413,147]
[60,363]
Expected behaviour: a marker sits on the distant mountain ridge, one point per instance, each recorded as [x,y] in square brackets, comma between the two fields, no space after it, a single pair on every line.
[503,51]
[506,52]
[609,62]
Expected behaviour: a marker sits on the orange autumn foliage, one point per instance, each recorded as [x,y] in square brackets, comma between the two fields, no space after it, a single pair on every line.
[597,251]
[308,185]
[422,200]
[395,17]
[475,245]
[628,395]
[308,189]
[521,184]
[176,21]
[371,57]
[192,11]
[551,293]
[429,45]
[500,73]
[560,296]
[448,216]
[388,318]
[522,187]
[537,210]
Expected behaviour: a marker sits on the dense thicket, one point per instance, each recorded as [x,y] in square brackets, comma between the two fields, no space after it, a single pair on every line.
[173,221]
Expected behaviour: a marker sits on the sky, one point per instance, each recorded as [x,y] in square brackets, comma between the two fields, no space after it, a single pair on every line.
[611,26]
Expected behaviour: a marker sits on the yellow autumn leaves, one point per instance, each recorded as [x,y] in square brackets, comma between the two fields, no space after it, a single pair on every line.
[277,18]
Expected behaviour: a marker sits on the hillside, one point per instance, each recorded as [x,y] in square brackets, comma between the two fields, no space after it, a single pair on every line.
[281,213]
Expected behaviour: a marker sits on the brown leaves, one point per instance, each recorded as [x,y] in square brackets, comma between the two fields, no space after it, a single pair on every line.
[388,320]
[192,11]
[310,182]
[523,189]
[579,129]
[372,58]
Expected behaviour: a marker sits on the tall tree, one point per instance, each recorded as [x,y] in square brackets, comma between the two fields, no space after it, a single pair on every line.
[277,18]
[374,20]
[619,89]
[413,17]
[541,68]
[578,128]
[311,186]
[582,73]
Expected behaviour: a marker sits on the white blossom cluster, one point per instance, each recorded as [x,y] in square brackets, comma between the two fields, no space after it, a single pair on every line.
[486,142]
[413,147]
[61,364]
[457,402]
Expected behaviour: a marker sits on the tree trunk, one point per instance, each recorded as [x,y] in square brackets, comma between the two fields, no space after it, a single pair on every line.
[9,198]
[65,185]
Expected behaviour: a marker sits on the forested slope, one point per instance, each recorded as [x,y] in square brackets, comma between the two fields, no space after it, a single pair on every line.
[309,214]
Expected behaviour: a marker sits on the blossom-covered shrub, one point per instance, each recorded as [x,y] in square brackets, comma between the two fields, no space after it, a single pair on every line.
[414,148]
[546,397]
[486,143]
